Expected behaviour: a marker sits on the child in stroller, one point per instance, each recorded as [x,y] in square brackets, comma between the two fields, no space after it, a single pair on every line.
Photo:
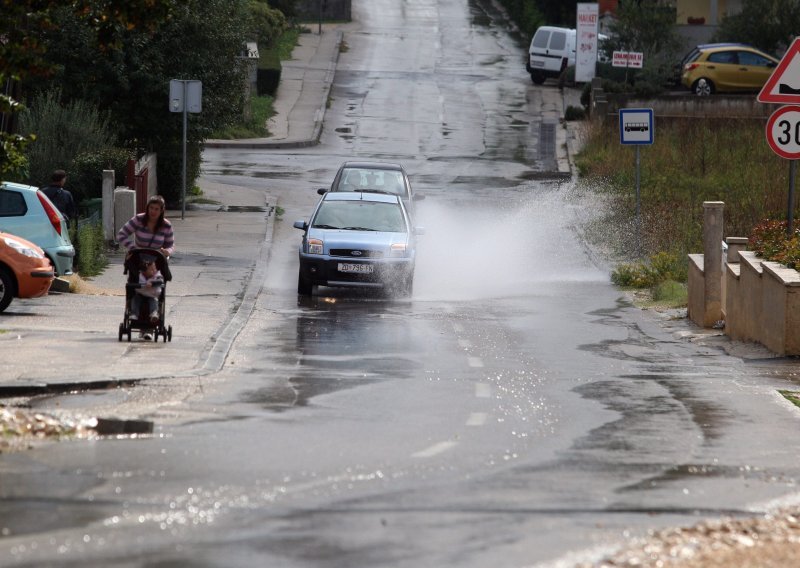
[145,291]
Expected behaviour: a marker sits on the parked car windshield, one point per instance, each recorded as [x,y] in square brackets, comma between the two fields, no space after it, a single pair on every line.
[360,215]
[365,179]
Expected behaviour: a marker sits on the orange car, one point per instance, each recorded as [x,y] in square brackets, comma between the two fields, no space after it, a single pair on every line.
[25,271]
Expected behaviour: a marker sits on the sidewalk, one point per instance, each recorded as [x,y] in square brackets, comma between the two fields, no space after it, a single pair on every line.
[302,95]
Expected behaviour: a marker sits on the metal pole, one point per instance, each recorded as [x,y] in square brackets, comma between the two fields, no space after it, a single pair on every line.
[638,219]
[319,3]
[638,207]
[790,209]
[185,114]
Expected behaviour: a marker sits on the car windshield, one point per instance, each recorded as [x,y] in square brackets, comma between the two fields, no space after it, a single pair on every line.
[360,216]
[363,179]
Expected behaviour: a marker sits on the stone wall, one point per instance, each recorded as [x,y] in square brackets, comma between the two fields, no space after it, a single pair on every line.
[762,303]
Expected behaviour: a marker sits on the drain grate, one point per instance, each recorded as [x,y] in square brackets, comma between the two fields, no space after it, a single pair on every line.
[547,140]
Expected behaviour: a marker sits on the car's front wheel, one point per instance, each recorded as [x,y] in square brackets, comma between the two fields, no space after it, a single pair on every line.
[6,288]
[304,285]
[703,87]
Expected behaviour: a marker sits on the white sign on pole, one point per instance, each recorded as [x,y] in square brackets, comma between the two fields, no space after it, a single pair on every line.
[632,59]
[586,46]
[186,93]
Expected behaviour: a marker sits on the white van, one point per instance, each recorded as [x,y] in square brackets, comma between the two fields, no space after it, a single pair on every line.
[552,50]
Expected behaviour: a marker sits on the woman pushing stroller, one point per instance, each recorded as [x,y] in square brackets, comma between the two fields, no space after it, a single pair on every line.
[149,241]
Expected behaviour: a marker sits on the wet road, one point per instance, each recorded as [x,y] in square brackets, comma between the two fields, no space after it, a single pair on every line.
[515,410]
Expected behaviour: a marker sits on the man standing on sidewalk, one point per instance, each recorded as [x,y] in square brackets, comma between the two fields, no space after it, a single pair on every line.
[60,197]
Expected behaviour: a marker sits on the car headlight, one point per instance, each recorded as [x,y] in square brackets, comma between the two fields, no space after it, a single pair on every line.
[398,250]
[22,248]
[314,246]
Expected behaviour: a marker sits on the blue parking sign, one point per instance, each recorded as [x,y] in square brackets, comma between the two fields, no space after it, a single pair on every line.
[636,126]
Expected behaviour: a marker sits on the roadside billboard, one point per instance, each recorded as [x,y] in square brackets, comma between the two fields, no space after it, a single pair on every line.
[586,47]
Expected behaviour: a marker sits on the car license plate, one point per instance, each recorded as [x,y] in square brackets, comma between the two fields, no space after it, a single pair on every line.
[355,268]
[537,63]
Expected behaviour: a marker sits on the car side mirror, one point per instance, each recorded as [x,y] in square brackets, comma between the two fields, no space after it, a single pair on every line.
[418,196]
[322,191]
[302,225]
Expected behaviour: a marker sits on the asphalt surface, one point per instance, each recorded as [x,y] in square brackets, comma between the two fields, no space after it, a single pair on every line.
[70,341]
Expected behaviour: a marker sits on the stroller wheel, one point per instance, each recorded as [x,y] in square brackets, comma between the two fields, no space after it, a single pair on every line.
[129,335]
[121,331]
[169,333]
[155,335]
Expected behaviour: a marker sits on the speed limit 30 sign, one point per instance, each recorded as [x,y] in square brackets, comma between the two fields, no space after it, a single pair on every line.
[783,132]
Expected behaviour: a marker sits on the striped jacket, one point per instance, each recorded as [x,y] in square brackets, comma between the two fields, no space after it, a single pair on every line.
[135,234]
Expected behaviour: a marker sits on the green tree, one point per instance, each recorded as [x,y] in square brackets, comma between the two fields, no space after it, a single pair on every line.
[268,23]
[63,133]
[23,51]
[770,25]
[648,27]
[200,40]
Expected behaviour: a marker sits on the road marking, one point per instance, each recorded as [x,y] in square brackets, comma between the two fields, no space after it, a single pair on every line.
[483,390]
[434,450]
[474,362]
[464,343]
[476,419]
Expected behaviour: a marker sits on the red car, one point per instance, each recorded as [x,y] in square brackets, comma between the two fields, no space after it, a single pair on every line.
[25,271]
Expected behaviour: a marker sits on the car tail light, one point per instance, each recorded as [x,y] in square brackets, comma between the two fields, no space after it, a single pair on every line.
[691,66]
[52,214]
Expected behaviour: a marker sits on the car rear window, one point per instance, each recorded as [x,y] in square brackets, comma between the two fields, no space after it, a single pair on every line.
[12,204]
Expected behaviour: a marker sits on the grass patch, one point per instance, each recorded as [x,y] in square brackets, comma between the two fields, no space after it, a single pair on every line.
[279,211]
[692,160]
[791,396]
[261,110]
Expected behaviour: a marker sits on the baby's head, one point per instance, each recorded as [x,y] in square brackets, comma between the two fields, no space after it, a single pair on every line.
[149,268]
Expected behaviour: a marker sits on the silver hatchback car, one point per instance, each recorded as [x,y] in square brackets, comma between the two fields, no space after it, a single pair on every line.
[361,240]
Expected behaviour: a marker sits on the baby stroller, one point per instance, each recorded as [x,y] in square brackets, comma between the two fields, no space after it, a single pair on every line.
[133,265]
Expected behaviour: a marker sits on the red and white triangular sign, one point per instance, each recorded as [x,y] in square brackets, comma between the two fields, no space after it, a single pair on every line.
[783,86]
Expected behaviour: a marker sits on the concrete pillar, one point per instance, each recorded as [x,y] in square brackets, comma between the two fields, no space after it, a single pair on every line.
[735,244]
[712,261]
[108,205]
[124,207]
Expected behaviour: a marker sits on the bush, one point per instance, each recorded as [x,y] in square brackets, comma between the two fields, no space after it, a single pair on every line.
[770,241]
[90,253]
[670,291]
[574,113]
[85,177]
[661,267]
[62,133]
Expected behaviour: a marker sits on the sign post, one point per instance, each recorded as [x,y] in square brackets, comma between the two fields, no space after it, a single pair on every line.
[783,127]
[185,96]
[636,127]
[586,43]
